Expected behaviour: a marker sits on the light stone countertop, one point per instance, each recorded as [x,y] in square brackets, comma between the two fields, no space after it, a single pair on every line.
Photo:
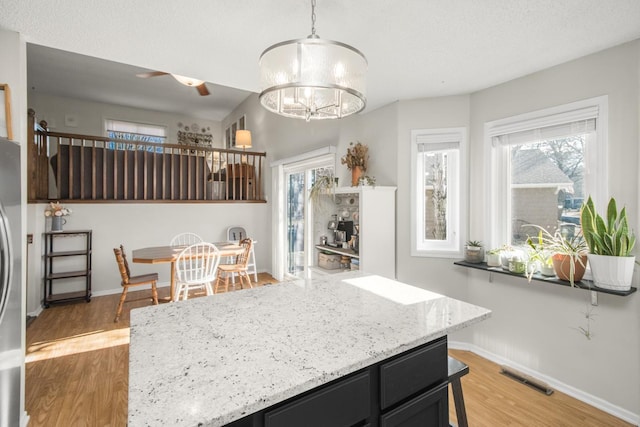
[209,361]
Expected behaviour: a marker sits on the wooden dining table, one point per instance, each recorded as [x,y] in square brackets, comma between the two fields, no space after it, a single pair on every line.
[169,254]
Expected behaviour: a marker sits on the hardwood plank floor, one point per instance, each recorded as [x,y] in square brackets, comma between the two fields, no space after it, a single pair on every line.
[492,399]
[78,368]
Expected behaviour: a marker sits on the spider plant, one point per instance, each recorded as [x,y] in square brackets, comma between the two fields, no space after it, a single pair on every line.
[573,247]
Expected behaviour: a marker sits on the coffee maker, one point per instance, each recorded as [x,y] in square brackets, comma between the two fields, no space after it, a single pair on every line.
[344,231]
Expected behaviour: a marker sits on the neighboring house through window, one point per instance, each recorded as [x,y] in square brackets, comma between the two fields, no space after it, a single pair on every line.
[542,166]
[136,132]
[438,178]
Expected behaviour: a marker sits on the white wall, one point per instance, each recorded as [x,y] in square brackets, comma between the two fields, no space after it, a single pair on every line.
[134,225]
[437,274]
[535,325]
[142,225]
[283,137]
[91,115]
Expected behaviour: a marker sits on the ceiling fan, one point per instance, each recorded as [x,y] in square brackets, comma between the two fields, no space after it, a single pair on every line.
[200,85]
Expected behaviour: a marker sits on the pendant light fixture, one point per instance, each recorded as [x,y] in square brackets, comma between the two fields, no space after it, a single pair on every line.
[313,78]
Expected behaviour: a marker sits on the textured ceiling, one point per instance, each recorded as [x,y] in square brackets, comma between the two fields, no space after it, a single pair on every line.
[415,48]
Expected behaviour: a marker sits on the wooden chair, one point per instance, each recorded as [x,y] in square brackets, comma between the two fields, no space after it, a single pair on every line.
[128,280]
[196,268]
[235,234]
[225,271]
[185,239]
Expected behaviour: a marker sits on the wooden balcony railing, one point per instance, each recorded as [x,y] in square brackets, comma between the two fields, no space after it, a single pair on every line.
[69,167]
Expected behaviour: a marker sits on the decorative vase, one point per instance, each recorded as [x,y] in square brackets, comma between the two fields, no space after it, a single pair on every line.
[356,173]
[57,222]
[612,272]
[562,267]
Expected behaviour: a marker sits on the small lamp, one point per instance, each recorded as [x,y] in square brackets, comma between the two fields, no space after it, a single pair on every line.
[243,139]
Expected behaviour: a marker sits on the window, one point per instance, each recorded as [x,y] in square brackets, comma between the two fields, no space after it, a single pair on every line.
[542,166]
[137,132]
[438,179]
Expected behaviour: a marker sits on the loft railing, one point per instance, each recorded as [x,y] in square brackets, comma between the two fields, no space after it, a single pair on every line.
[68,167]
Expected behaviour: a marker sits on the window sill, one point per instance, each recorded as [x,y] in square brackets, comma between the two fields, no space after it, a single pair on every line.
[583,284]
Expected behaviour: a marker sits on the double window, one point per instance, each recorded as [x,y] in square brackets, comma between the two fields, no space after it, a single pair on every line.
[438,177]
[542,166]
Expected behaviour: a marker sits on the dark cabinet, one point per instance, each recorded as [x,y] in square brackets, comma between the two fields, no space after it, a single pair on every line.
[412,372]
[342,404]
[428,409]
[405,391]
[75,248]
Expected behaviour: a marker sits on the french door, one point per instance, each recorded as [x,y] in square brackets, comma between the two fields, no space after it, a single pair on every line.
[294,235]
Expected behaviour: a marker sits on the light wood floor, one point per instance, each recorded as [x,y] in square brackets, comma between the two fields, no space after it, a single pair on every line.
[78,367]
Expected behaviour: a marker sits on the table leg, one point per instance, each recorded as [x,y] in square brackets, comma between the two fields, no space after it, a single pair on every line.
[173,279]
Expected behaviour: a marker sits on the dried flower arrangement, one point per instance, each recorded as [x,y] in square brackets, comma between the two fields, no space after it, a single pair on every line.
[56,209]
[357,155]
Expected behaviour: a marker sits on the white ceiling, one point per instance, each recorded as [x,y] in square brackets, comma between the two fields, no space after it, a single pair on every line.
[415,48]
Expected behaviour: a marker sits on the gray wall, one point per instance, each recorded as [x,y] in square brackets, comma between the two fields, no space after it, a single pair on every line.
[535,325]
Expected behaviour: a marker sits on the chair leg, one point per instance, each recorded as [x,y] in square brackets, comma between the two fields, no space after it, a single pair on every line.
[154,292]
[226,283]
[208,288]
[246,276]
[252,259]
[120,304]
[461,413]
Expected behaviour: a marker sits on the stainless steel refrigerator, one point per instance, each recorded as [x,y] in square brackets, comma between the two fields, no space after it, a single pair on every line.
[12,316]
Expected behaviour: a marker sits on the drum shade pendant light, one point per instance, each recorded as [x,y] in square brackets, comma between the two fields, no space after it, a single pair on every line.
[313,78]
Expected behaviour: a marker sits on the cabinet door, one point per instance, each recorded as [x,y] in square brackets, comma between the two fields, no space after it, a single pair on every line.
[410,373]
[429,409]
[342,404]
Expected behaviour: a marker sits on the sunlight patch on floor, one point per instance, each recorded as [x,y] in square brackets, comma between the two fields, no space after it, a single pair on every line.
[81,343]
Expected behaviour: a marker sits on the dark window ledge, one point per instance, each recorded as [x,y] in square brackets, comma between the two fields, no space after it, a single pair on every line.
[583,284]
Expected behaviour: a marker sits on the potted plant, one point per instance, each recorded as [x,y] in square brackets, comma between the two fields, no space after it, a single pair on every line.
[356,159]
[540,258]
[610,244]
[324,184]
[493,257]
[56,211]
[569,253]
[474,252]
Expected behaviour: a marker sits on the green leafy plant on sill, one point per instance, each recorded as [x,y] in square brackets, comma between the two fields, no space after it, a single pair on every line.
[613,237]
[574,246]
[538,252]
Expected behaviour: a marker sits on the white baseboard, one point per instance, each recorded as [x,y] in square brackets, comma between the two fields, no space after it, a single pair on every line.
[585,397]
[36,312]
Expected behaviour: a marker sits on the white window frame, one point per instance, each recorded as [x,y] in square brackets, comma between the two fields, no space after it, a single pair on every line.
[497,174]
[446,138]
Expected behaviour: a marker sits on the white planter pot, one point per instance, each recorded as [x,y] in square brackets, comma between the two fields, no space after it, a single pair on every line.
[612,272]
[493,260]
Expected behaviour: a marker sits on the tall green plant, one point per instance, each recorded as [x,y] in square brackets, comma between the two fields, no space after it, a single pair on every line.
[611,237]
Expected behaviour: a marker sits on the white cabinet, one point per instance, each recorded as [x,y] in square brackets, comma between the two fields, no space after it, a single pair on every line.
[373,211]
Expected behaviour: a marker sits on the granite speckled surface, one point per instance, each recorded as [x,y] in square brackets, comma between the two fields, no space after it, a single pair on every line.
[211,360]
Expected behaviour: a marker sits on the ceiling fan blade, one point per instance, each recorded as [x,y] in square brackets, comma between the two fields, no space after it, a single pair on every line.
[202,89]
[151,74]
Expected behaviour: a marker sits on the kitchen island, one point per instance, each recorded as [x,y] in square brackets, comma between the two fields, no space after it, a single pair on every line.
[251,357]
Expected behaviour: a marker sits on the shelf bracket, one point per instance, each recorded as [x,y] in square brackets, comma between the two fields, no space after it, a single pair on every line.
[594,298]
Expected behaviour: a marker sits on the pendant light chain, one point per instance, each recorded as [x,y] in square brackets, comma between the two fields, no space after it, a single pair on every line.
[313,18]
